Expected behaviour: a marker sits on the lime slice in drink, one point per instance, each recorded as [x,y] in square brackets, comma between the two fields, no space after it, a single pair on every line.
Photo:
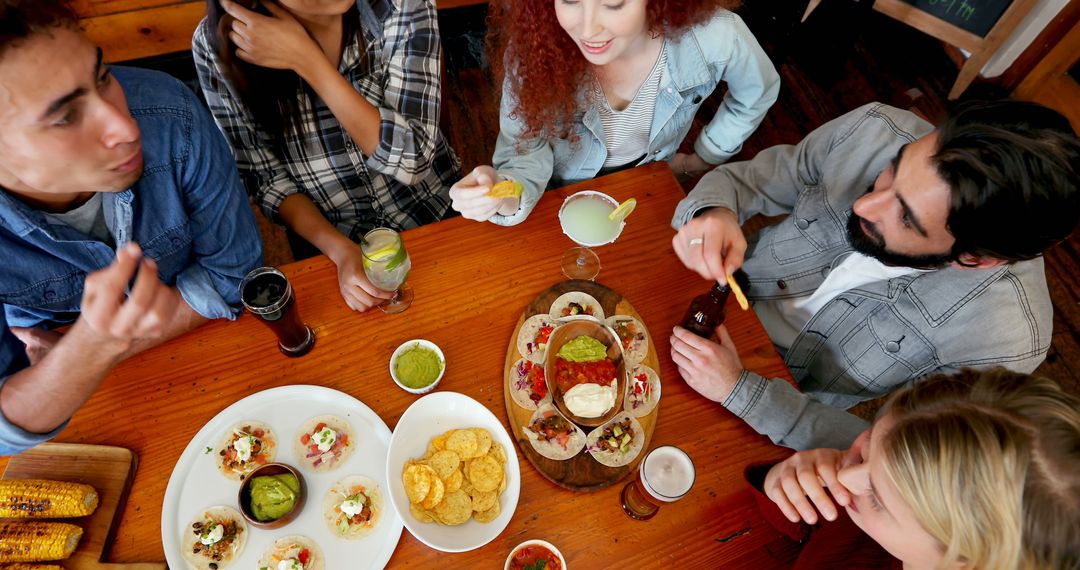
[393,249]
[619,214]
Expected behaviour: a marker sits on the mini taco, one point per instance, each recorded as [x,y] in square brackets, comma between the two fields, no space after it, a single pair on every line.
[643,393]
[634,337]
[292,553]
[533,337]
[353,507]
[552,435]
[213,539]
[617,442]
[576,303]
[244,447]
[527,385]
[324,442]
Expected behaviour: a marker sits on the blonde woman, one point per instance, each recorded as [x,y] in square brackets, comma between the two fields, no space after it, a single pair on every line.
[976,471]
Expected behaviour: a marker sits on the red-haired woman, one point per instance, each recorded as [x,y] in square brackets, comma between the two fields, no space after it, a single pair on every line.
[591,86]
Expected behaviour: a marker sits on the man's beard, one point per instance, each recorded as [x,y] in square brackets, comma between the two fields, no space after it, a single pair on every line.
[873,245]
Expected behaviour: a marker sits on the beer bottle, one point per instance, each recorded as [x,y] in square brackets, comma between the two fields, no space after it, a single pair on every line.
[706,311]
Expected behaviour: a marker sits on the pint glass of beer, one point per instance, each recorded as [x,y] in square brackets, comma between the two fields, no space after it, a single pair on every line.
[268,295]
[664,476]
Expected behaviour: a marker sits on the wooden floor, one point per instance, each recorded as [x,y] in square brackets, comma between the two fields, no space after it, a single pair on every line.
[835,62]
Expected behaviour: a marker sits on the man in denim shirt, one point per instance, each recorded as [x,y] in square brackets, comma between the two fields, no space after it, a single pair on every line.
[93,162]
[908,250]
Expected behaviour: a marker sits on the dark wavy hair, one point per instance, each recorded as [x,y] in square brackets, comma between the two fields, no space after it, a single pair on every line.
[23,19]
[544,67]
[1013,169]
[271,95]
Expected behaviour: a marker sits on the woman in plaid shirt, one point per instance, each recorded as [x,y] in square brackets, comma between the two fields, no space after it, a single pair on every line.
[332,110]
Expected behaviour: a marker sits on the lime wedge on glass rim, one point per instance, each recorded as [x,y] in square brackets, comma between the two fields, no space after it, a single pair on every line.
[623,210]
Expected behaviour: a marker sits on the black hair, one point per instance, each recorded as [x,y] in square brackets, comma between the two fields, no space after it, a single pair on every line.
[271,95]
[1013,168]
[23,19]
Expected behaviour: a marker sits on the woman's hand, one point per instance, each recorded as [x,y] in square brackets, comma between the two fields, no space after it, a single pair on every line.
[797,485]
[469,196]
[687,166]
[277,41]
[358,292]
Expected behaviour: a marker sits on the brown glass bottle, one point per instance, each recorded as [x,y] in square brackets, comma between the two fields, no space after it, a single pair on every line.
[706,311]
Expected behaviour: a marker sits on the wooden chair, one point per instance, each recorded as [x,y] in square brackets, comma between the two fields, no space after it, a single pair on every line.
[981,49]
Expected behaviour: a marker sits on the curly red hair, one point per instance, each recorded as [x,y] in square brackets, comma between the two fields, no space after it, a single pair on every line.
[545,67]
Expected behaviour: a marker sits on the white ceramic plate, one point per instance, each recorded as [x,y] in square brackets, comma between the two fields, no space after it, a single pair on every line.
[430,416]
[196,482]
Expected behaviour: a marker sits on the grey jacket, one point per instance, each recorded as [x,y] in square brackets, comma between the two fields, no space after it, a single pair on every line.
[872,339]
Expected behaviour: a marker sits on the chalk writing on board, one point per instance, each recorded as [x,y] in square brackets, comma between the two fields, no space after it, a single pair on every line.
[975,16]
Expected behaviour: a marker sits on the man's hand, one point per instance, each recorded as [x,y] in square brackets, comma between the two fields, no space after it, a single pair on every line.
[801,480]
[277,41]
[143,314]
[38,341]
[710,367]
[712,244]
[357,291]
[469,196]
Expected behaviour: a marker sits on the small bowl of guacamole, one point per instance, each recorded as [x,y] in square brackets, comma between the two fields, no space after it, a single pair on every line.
[417,366]
[272,495]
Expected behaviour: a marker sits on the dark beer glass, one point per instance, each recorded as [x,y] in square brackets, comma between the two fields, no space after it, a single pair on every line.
[268,295]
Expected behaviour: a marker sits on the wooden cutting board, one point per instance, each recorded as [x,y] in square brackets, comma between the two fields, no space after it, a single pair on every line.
[581,472]
[106,468]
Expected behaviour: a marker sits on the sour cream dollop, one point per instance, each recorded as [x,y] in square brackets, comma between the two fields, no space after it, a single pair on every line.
[291,564]
[590,400]
[243,447]
[353,506]
[212,535]
[325,438]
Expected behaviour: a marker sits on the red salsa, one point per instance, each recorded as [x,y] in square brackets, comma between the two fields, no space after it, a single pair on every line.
[569,374]
[535,557]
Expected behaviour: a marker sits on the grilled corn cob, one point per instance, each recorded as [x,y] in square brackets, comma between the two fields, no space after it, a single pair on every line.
[34,541]
[25,566]
[38,498]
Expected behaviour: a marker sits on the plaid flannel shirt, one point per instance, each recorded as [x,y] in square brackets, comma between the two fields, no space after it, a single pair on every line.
[405,182]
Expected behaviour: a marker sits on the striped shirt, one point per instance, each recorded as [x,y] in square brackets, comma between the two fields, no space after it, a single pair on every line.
[406,181]
[626,132]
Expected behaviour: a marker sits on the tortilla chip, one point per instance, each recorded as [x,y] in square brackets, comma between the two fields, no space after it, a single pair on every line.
[488,515]
[417,481]
[438,490]
[464,443]
[506,189]
[454,481]
[485,473]
[455,509]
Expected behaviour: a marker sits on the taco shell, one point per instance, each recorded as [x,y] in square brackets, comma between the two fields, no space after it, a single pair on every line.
[552,449]
[526,344]
[641,405]
[338,522]
[616,458]
[284,547]
[583,299]
[202,559]
[335,456]
[223,450]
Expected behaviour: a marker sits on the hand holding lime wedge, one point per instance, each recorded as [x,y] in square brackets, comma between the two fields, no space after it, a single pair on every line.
[623,210]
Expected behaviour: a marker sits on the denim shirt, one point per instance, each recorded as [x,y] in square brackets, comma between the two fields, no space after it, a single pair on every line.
[875,338]
[721,49]
[188,212]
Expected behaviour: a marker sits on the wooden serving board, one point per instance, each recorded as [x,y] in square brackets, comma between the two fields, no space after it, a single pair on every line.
[581,472]
[106,468]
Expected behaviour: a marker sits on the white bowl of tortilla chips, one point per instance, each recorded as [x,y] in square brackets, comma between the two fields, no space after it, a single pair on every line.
[427,418]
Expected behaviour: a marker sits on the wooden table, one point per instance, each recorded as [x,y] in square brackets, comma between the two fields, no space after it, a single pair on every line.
[472,281]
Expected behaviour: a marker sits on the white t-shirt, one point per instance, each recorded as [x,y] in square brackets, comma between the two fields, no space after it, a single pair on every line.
[784,319]
[88,219]
[626,132]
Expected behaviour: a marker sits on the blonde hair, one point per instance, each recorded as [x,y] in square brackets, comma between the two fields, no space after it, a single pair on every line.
[989,461]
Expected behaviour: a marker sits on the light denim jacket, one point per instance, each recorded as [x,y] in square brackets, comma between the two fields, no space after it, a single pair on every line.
[722,49]
[188,211]
[875,338]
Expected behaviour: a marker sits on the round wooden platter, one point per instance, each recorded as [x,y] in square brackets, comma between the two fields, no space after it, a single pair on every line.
[581,472]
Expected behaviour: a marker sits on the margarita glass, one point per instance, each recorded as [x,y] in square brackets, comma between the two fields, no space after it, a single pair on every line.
[585,218]
[387,264]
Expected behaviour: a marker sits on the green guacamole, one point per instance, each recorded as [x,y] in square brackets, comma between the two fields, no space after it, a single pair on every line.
[583,349]
[417,367]
[273,496]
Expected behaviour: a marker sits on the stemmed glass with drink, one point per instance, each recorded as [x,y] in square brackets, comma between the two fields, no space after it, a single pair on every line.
[387,264]
[664,476]
[590,219]
[268,295]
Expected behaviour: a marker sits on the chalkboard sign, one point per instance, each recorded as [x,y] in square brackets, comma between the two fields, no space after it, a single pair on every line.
[975,16]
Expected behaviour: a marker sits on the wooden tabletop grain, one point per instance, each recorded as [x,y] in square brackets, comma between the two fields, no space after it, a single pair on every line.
[472,280]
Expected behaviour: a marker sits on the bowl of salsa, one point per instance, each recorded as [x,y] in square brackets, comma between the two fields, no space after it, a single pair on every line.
[272,495]
[585,372]
[535,555]
[417,366]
